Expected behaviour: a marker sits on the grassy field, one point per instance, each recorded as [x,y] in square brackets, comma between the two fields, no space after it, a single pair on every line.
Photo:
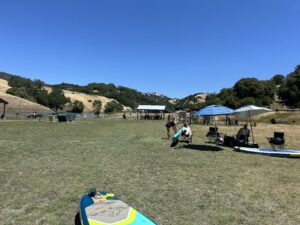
[45,168]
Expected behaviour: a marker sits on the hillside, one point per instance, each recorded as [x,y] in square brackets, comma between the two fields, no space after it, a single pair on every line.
[192,101]
[124,95]
[17,104]
[32,90]
[86,99]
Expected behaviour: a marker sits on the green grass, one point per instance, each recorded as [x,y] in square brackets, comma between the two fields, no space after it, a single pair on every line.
[46,167]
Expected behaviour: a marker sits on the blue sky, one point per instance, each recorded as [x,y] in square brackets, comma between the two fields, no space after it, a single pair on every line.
[172,47]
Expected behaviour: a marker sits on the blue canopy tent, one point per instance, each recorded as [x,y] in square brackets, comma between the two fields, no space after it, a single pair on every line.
[214,110]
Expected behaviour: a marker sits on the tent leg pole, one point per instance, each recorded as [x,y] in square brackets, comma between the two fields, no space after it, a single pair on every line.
[251,127]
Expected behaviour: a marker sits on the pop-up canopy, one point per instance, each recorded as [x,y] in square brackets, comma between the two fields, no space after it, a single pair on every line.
[250,111]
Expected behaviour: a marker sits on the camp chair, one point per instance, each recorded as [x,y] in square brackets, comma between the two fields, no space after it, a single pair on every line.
[213,134]
[277,140]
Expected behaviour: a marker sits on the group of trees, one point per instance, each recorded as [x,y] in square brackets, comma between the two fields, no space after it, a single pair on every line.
[289,90]
[34,91]
[247,91]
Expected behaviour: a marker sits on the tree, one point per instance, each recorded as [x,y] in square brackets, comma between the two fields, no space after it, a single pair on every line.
[247,101]
[248,87]
[39,84]
[77,106]
[231,102]
[97,105]
[57,99]
[289,91]
[277,79]
[113,106]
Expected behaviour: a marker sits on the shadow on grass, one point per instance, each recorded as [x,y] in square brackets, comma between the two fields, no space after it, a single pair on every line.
[203,147]
[77,219]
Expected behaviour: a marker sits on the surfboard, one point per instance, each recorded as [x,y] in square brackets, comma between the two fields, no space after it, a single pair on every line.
[105,209]
[270,151]
[176,136]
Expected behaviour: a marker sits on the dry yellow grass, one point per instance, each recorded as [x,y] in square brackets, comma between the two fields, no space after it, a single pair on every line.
[201,97]
[86,99]
[3,85]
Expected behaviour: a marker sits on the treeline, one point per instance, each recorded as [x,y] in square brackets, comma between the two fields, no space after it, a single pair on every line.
[245,91]
[289,90]
[248,91]
[126,96]
[34,91]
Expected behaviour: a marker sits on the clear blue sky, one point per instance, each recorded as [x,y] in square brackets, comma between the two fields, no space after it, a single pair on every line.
[172,47]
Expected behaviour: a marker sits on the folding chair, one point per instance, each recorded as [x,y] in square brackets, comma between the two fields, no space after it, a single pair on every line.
[277,140]
[213,134]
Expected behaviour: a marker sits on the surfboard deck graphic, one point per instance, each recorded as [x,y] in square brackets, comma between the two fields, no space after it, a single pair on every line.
[107,209]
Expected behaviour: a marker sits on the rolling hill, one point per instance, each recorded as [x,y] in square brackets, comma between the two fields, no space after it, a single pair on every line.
[86,94]
[17,104]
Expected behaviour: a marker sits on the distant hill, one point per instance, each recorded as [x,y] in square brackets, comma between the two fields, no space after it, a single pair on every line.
[86,99]
[192,101]
[17,104]
[5,76]
[33,91]
[126,96]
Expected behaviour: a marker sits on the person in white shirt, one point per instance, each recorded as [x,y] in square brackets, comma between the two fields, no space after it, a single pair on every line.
[186,131]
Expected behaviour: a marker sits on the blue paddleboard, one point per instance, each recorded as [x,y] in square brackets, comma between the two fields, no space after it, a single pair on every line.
[176,136]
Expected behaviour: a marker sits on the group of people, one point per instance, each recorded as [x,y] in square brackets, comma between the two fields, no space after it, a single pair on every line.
[241,137]
[172,124]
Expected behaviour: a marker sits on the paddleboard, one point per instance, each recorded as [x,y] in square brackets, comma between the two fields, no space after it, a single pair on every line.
[105,209]
[176,136]
[270,151]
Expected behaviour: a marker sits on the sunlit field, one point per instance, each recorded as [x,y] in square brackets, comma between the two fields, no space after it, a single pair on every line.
[45,168]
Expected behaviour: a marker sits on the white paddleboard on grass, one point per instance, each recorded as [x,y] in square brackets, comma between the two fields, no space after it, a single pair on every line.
[270,151]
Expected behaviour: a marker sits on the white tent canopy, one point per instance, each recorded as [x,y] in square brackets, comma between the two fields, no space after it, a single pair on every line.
[152,107]
[250,111]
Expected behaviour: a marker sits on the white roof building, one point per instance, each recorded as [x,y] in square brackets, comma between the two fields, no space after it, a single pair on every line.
[152,107]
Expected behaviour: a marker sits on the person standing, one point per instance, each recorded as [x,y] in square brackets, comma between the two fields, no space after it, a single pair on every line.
[171,124]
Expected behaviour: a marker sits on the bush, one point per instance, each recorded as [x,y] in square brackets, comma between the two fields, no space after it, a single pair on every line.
[77,106]
[97,105]
[113,106]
